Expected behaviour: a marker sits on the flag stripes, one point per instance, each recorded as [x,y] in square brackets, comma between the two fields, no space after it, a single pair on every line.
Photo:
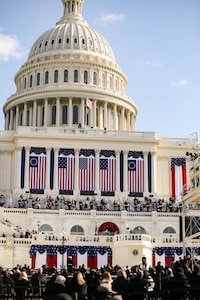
[135,172]
[107,165]
[66,165]
[37,168]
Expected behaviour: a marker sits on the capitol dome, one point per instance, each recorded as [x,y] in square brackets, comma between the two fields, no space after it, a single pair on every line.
[72,33]
[68,64]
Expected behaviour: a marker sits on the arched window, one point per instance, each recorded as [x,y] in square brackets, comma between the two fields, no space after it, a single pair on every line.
[64,114]
[56,76]
[45,227]
[46,77]
[31,81]
[75,114]
[169,230]
[38,78]
[53,116]
[139,230]
[75,75]
[65,75]
[94,78]
[77,230]
[85,76]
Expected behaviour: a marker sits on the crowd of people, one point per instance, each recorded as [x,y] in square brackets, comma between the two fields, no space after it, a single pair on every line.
[147,204]
[180,280]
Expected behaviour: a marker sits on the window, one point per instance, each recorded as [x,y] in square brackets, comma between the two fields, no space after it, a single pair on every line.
[67,40]
[31,81]
[65,75]
[85,77]
[75,40]
[46,43]
[60,41]
[38,78]
[94,78]
[77,230]
[103,79]
[56,76]
[43,116]
[83,41]
[52,42]
[64,114]
[169,230]
[45,227]
[24,83]
[46,77]
[75,114]
[53,116]
[28,118]
[75,75]
[139,230]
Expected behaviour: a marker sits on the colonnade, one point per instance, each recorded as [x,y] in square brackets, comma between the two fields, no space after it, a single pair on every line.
[50,112]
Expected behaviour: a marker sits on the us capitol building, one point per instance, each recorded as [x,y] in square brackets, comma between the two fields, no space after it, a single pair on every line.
[77,181]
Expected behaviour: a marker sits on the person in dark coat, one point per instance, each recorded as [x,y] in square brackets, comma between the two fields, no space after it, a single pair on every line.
[38,281]
[178,286]
[194,282]
[57,290]
[23,287]
[8,284]
[120,284]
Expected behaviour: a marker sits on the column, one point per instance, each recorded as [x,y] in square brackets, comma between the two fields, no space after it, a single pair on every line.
[34,113]
[17,168]
[17,116]
[26,177]
[31,116]
[115,116]
[153,171]
[55,179]
[97,152]
[57,111]
[126,172]
[105,115]
[128,120]
[83,117]
[122,118]
[11,119]
[117,171]
[45,112]
[94,124]
[6,121]
[70,112]
[24,114]
[145,172]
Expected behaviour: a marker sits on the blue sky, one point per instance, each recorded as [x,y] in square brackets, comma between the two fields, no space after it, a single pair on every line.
[156,43]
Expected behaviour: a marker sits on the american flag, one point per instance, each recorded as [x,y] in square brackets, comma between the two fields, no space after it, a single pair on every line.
[178,177]
[107,171]
[135,172]
[66,164]
[89,103]
[87,170]
[37,168]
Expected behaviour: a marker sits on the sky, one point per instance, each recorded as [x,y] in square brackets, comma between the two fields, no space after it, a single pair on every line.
[155,42]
